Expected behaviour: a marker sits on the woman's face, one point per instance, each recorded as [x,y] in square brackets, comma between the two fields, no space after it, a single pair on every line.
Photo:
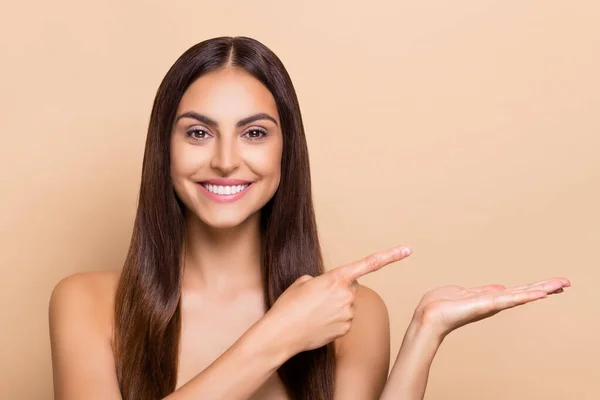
[226,147]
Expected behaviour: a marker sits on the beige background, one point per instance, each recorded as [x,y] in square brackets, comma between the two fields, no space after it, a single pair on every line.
[466,129]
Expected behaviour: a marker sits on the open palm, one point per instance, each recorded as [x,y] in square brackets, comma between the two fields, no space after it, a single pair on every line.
[450,307]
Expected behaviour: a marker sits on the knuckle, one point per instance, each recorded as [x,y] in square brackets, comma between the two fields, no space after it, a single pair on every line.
[348,298]
[372,261]
[346,326]
[350,313]
[331,276]
[343,296]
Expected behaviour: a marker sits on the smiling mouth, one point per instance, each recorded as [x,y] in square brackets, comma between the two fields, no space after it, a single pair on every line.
[225,190]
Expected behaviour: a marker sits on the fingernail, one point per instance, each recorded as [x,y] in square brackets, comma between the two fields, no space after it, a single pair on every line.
[406,251]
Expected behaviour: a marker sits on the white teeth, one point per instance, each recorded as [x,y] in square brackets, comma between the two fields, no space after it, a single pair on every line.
[225,190]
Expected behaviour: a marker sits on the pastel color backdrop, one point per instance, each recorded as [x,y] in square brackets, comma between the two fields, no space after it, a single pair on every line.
[467,129]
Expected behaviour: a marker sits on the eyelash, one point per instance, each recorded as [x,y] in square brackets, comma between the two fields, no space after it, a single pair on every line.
[264,134]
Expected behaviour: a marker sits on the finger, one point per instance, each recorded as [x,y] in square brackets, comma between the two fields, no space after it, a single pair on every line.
[547,286]
[529,285]
[371,263]
[507,300]
[353,310]
[564,282]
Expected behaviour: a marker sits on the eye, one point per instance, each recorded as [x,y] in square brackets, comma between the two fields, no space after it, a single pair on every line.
[197,134]
[255,134]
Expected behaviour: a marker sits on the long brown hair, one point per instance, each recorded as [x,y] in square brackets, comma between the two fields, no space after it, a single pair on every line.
[147,306]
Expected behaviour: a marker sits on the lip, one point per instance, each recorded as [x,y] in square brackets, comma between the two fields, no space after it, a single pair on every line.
[225,198]
[226,182]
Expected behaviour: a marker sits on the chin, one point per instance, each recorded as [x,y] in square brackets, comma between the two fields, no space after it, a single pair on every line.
[223,220]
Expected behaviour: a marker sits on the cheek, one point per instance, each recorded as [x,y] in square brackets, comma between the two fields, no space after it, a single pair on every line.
[266,162]
[186,160]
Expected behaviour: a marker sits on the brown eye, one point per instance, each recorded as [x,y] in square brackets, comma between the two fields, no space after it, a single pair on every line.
[256,134]
[197,134]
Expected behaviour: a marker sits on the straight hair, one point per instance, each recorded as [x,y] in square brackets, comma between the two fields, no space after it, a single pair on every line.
[148,298]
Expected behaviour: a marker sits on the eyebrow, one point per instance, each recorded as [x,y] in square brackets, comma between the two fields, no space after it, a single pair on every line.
[213,123]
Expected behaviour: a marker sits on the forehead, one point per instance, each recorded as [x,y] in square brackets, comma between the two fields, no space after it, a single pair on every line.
[228,95]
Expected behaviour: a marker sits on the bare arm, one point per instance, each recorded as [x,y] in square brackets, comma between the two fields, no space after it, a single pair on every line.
[364,355]
[84,366]
[408,379]
[310,313]
[241,370]
[82,362]
[440,312]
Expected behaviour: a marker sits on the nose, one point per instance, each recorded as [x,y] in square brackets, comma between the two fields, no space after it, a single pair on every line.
[226,157]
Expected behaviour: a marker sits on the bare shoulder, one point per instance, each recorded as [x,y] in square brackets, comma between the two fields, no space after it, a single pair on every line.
[90,287]
[94,280]
[371,320]
[371,303]
[364,352]
[80,319]
[84,294]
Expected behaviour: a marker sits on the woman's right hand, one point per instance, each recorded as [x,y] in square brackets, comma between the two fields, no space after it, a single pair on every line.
[314,311]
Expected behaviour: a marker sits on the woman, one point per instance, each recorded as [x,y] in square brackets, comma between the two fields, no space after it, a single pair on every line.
[223,294]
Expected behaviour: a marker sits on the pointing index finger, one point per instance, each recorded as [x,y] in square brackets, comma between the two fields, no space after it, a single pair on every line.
[372,263]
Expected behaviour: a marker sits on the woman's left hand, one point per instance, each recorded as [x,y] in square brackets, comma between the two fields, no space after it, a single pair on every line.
[447,308]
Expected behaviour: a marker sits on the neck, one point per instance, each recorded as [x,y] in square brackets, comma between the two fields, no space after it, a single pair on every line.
[222,261]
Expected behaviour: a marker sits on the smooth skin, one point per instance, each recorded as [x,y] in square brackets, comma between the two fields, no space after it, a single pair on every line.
[231,346]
